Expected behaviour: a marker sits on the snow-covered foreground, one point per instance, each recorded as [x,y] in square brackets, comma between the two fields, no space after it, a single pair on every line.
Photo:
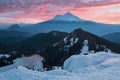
[99,66]
[98,60]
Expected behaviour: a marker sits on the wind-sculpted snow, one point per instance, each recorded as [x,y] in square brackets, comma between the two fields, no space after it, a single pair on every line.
[83,61]
[32,62]
[98,66]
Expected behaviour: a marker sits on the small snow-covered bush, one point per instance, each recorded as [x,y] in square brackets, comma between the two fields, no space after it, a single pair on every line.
[33,62]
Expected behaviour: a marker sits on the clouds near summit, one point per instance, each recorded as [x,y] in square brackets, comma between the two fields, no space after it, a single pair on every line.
[41,10]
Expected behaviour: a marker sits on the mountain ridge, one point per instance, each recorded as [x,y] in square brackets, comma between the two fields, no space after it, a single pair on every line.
[14,27]
[68,26]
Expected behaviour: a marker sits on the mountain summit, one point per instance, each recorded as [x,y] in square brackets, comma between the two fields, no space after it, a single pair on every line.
[66,17]
[15,27]
[68,22]
[75,39]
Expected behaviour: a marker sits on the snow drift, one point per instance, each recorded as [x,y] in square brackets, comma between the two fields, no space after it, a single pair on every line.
[83,61]
[98,66]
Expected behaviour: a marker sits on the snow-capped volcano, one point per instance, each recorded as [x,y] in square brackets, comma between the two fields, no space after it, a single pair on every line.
[66,17]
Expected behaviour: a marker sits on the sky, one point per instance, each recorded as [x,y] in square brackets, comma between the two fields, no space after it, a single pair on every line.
[35,11]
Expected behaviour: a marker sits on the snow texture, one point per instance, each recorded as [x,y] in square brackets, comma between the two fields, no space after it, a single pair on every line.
[4,55]
[73,41]
[67,17]
[85,48]
[69,43]
[32,62]
[98,66]
[65,40]
[83,61]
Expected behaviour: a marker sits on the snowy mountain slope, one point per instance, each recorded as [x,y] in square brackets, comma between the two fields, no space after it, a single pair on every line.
[107,68]
[75,39]
[66,17]
[68,22]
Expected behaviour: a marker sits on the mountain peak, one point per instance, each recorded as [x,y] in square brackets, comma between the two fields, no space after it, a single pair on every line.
[14,27]
[68,13]
[66,17]
[75,39]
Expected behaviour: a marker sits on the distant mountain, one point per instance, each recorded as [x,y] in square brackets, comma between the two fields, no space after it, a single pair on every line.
[14,27]
[6,26]
[114,37]
[66,17]
[68,22]
[22,24]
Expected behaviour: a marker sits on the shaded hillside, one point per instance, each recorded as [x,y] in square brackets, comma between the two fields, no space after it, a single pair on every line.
[114,37]
[9,37]
[4,33]
[41,40]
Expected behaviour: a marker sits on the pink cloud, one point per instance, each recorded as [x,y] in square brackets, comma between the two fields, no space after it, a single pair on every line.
[34,11]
